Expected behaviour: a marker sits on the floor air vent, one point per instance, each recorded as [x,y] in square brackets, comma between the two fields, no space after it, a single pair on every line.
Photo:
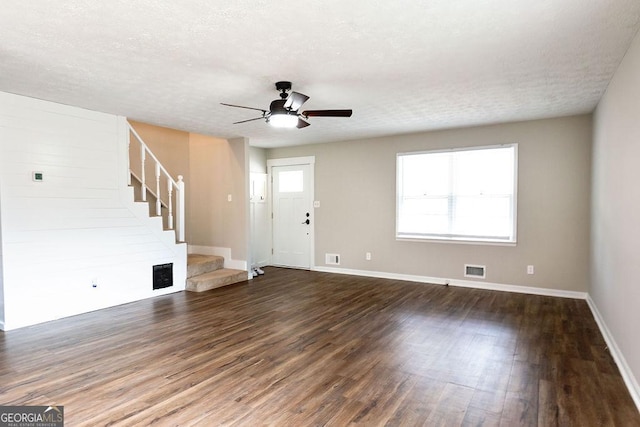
[476,271]
[162,276]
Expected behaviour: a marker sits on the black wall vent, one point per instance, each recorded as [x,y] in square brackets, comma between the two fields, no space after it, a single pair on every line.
[162,276]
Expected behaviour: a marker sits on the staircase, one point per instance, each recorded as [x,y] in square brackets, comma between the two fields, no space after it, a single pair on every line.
[205,272]
[164,197]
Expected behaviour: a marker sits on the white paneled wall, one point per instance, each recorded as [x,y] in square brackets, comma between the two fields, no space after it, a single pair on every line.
[1,275]
[79,225]
[259,213]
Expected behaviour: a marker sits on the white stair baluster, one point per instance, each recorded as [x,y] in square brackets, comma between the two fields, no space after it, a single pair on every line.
[158,201]
[129,159]
[170,204]
[180,209]
[143,157]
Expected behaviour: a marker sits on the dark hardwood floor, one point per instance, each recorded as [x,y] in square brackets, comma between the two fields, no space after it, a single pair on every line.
[299,348]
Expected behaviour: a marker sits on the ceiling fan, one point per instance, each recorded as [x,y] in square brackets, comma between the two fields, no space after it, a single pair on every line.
[283,112]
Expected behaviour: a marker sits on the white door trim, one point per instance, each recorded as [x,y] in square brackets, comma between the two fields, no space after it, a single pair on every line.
[293,161]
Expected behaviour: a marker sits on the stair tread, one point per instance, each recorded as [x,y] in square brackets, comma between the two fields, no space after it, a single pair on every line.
[215,279]
[200,264]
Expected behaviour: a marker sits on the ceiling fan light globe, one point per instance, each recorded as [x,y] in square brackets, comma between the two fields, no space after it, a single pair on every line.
[283,120]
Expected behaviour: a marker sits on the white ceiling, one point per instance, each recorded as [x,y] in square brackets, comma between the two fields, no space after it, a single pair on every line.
[401,65]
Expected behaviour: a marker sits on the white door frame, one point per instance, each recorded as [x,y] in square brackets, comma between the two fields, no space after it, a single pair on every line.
[295,161]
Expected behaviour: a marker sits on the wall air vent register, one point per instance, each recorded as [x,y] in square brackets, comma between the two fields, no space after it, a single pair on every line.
[476,271]
[162,276]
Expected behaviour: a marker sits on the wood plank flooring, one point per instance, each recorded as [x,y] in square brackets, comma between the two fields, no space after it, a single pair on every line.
[299,348]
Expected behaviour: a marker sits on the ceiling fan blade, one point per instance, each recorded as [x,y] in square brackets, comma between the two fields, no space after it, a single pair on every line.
[327,113]
[302,123]
[250,120]
[241,106]
[295,100]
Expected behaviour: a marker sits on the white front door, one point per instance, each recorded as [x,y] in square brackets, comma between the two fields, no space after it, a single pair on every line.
[292,215]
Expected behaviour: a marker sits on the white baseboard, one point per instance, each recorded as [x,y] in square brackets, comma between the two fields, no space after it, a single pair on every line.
[625,370]
[456,282]
[519,289]
[2,326]
[229,262]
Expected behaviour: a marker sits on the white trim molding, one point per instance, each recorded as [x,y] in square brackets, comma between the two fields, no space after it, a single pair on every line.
[229,262]
[289,161]
[456,282]
[618,357]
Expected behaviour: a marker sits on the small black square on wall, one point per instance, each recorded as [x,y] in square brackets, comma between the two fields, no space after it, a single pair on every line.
[162,276]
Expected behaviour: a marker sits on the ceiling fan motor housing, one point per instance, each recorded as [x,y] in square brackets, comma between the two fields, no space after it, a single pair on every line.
[277,107]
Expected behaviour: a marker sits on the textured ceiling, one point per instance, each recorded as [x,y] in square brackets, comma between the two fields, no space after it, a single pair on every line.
[402,66]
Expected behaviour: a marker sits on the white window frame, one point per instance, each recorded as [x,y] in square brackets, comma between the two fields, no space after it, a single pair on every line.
[458,239]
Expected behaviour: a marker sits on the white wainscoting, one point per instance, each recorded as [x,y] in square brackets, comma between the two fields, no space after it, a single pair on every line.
[77,227]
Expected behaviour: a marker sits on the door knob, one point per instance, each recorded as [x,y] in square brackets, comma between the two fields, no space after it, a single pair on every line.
[306,222]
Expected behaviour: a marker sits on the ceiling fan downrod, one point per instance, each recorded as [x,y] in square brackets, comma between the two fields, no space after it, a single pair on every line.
[283,87]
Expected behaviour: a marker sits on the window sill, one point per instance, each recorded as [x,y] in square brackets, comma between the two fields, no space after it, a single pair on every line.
[457,241]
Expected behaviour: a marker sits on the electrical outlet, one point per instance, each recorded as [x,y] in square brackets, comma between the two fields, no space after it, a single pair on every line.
[530,269]
[367,256]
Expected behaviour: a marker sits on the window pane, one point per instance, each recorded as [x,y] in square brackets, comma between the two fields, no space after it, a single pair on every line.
[484,172]
[290,181]
[424,216]
[482,217]
[426,175]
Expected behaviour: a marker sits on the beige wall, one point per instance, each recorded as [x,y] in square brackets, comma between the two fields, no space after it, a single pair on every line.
[615,266]
[355,184]
[217,169]
[171,146]
[257,160]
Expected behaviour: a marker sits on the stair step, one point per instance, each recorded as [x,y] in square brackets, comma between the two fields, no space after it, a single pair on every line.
[215,279]
[201,264]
